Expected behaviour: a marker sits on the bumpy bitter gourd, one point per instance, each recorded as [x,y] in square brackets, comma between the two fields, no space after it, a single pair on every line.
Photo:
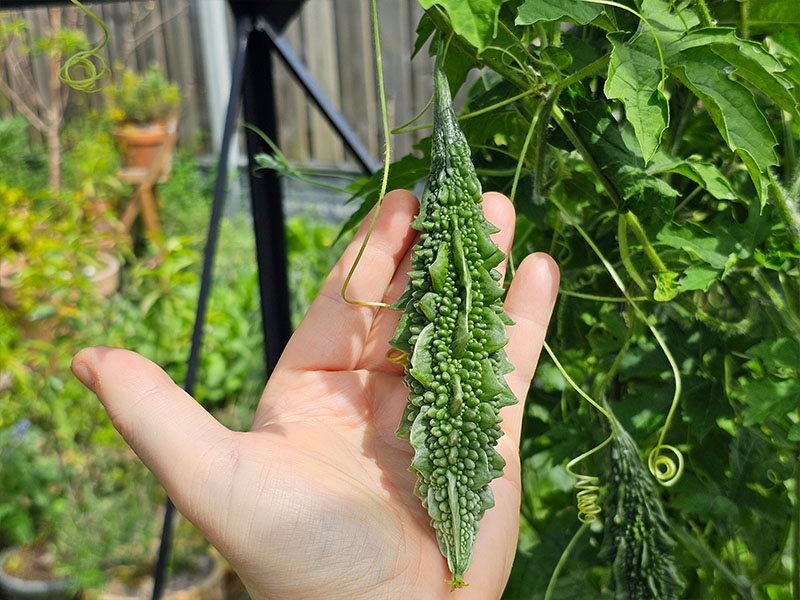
[636,529]
[453,331]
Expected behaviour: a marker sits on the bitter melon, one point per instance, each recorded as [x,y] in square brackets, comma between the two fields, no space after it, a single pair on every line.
[453,331]
[636,540]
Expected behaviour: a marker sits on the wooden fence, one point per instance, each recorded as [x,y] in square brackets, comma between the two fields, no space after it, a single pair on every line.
[332,37]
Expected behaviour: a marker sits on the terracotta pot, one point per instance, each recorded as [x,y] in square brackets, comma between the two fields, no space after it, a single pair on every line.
[14,587]
[209,585]
[139,144]
[106,277]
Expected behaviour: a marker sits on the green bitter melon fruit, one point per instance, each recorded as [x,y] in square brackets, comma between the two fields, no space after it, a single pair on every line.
[636,538]
[453,331]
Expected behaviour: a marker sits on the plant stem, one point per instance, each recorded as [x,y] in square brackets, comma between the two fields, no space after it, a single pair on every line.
[789,155]
[524,151]
[789,319]
[542,120]
[597,298]
[586,155]
[744,11]
[739,582]
[787,207]
[681,122]
[580,74]
[606,378]
[625,255]
[705,16]
[638,231]
[687,199]
[387,160]
[563,560]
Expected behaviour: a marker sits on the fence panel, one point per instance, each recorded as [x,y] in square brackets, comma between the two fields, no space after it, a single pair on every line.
[334,38]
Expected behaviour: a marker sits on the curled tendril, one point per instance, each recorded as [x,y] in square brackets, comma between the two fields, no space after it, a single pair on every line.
[397,357]
[666,469]
[587,496]
[588,490]
[657,464]
[80,71]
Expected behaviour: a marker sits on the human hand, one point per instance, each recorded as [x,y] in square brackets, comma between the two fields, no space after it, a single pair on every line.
[316,501]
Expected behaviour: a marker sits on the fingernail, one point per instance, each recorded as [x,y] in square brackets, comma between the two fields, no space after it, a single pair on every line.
[84,374]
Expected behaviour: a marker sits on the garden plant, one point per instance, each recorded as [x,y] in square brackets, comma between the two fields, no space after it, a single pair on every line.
[651,148]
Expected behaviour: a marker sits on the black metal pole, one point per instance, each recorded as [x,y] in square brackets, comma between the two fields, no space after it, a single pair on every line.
[244,27]
[265,194]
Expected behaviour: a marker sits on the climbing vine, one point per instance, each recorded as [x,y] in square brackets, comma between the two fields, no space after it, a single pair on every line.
[650,146]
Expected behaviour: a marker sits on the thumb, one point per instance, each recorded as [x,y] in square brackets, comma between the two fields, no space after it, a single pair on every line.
[169,431]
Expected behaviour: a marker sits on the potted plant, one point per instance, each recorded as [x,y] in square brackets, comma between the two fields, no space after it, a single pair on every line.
[146,109]
[27,478]
[78,510]
[82,514]
[194,571]
[91,167]
[54,251]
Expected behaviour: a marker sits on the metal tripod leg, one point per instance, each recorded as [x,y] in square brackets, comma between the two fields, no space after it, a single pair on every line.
[244,28]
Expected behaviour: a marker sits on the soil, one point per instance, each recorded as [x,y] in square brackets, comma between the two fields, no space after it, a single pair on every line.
[142,587]
[30,563]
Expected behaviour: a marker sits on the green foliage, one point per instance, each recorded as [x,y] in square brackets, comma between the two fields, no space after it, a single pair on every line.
[186,197]
[68,484]
[26,480]
[91,160]
[312,249]
[143,98]
[52,247]
[671,137]
[23,165]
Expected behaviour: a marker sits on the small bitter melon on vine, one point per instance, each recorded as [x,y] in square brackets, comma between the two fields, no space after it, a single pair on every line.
[453,331]
[636,527]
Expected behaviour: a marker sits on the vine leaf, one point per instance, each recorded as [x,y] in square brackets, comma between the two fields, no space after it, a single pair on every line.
[698,277]
[403,174]
[618,156]
[704,174]
[782,353]
[732,108]
[747,59]
[667,286]
[580,13]
[634,77]
[697,242]
[767,399]
[474,20]
[425,29]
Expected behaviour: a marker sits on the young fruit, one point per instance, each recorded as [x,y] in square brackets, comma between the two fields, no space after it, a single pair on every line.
[453,331]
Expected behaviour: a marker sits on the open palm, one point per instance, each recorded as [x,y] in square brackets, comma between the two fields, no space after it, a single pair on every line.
[316,500]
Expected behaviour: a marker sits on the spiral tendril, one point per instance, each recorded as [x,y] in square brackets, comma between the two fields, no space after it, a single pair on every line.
[79,71]
[588,490]
[666,469]
[587,496]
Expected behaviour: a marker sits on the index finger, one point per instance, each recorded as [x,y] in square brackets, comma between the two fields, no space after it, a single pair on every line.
[529,303]
[334,328]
